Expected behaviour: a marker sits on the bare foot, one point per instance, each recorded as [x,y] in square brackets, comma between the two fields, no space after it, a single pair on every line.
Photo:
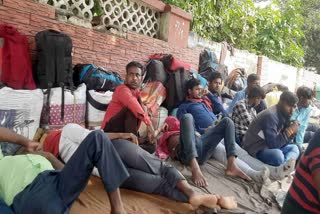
[234,171]
[206,200]
[198,178]
[228,202]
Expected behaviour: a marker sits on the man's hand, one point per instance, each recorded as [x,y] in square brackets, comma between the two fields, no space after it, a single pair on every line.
[294,126]
[33,146]
[129,136]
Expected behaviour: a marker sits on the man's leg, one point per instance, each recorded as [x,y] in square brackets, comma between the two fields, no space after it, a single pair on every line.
[95,150]
[273,157]
[124,122]
[188,149]
[4,208]
[210,139]
[148,173]
[260,175]
[290,151]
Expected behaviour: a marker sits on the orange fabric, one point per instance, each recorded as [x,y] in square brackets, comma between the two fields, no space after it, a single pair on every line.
[51,143]
[94,199]
[122,97]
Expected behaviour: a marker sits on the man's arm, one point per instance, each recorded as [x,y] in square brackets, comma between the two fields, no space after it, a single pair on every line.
[126,136]
[243,113]
[273,138]
[217,106]
[127,99]
[302,128]
[6,135]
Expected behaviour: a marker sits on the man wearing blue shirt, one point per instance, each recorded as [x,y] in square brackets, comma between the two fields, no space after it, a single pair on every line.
[253,80]
[302,113]
[195,115]
[268,135]
[214,86]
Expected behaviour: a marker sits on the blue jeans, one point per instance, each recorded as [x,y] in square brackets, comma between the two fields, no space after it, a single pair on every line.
[192,146]
[277,157]
[55,191]
[4,208]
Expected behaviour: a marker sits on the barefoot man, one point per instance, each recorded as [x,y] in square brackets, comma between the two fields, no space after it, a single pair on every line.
[200,135]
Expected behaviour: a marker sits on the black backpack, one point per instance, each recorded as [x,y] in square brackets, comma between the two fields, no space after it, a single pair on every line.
[208,63]
[53,66]
[155,72]
[96,78]
[175,87]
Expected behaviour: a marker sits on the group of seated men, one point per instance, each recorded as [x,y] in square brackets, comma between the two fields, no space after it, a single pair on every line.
[252,146]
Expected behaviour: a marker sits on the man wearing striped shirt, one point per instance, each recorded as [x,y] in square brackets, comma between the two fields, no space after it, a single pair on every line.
[303,196]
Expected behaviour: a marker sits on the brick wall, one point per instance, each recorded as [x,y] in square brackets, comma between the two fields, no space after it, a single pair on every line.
[90,46]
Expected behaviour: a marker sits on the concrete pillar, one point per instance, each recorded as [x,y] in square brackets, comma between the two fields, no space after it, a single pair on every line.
[175,26]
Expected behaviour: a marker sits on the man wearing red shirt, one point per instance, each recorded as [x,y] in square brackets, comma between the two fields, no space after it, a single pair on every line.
[125,113]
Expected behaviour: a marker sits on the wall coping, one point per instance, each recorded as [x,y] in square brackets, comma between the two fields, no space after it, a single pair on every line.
[155,4]
[178,11]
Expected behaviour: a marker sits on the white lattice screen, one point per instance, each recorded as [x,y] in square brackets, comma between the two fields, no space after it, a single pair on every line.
[129,14]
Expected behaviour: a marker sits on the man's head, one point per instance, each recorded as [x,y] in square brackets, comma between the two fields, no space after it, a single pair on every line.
[215,82]
[287,103]
[255,95]
[194,88]
[253,80]
[134,73]
[305,96]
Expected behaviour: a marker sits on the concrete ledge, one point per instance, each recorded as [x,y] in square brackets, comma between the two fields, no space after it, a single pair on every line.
[179,12]
[155,4]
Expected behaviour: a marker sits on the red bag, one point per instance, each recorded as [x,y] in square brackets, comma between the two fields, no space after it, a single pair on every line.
[171,63]
[16,61]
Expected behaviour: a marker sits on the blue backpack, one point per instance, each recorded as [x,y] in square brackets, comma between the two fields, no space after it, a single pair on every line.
[96,78]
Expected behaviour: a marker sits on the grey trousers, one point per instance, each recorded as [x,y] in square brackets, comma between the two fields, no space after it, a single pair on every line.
[148,173]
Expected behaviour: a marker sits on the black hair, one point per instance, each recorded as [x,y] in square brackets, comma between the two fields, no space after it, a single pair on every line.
[289,98]
[252,77]
[256,91]
[304,92]
[134,64]
[215,75]
[191,84]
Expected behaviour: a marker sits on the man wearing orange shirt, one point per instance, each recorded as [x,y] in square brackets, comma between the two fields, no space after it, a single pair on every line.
[125,112]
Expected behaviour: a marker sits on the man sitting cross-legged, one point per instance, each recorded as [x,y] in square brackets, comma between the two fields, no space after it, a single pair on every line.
[195,115]
[269,135]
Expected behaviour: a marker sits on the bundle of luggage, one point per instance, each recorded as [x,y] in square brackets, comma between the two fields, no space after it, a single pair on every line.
[81,93]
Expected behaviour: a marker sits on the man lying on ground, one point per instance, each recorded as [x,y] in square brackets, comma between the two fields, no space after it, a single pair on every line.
[148,174]
[269,135]
[195,115]
[304,193]
[29,183]
[125,112]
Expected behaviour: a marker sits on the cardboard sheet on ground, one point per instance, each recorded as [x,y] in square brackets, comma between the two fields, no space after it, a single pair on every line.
[249,195]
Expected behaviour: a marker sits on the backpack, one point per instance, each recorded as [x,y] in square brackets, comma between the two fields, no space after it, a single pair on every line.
[208,63]
[15,61]
[54,63]
[175,87]
[155,72]
[96,78]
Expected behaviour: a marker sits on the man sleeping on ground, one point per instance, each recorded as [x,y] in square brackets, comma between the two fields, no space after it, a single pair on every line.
[148,174]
